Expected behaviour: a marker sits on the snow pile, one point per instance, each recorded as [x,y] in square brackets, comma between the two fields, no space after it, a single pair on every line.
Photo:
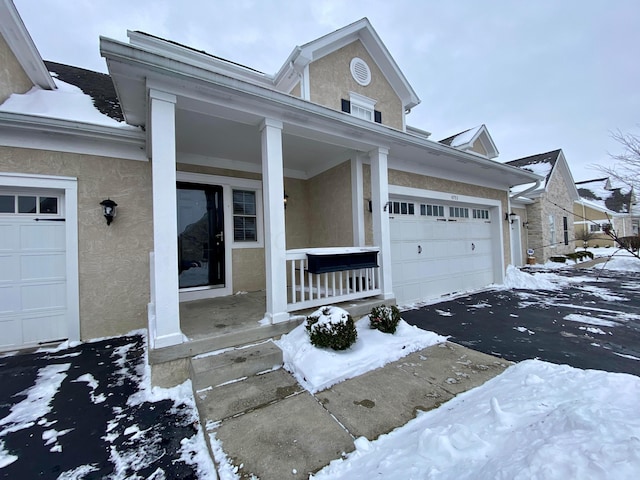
[67,102]
[518,279]
[536,420]
[329,316]
[318,368]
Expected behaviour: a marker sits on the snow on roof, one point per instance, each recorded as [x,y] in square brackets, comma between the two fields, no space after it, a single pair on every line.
[67,102]
[541,164]
[600,193]
[461,138]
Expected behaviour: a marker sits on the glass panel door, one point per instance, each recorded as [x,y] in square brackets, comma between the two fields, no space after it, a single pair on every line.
[200,235]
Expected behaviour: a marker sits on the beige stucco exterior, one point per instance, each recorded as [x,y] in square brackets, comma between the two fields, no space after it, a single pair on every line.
[479,148]
[113,260]
[13,79]
[586,216]
[330,220]
[330,81]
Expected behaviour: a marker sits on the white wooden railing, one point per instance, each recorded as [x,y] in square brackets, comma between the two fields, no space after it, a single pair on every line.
[308,290]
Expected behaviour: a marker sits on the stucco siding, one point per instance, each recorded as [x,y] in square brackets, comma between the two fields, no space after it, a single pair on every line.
[248,270]
[330,220]
[113,260]
[13,79]
[330,81]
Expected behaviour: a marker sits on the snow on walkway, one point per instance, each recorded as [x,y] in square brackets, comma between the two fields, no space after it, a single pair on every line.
[536,420]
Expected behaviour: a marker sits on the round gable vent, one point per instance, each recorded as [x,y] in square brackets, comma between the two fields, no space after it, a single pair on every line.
[360,71]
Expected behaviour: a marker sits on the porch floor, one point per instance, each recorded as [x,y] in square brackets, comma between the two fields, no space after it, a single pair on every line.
[221,315]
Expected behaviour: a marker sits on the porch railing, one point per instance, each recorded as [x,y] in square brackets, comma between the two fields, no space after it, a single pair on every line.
[307,289]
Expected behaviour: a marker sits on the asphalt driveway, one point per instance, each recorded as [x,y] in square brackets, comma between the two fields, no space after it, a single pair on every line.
[590,322]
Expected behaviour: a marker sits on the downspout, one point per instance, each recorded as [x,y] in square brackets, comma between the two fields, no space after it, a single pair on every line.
[531,189]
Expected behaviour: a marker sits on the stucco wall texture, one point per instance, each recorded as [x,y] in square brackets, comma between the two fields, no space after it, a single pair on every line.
[330,81]
[13,79]
[113,260]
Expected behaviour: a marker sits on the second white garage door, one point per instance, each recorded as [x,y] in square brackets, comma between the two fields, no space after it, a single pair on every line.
[439,249]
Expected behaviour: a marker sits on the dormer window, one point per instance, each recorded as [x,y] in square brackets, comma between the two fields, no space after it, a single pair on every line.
[361,107]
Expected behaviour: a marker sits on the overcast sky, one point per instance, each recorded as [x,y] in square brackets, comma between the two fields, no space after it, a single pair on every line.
[541,74]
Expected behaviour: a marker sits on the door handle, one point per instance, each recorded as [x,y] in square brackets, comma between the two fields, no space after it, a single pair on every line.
[419,249]
[220,236]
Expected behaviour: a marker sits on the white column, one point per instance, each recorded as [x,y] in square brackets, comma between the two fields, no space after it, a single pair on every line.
[165,228]
[357,201]
[274,227]
[380,216]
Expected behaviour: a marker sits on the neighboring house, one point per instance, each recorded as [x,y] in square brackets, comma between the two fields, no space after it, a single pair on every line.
[601,204]
[549,205]
[475,140]
[200,169]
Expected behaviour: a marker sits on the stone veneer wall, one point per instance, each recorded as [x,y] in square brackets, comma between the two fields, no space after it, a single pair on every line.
[554,202]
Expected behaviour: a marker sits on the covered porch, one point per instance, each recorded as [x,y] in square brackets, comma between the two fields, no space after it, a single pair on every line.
[208,131]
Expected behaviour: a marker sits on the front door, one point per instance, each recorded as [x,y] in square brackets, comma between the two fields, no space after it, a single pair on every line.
[200,235]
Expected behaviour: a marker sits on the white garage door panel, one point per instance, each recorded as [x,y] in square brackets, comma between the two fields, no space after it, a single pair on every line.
[43,267]
[33,279]
[431,258]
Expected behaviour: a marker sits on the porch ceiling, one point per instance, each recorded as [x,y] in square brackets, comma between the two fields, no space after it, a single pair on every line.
[221,141]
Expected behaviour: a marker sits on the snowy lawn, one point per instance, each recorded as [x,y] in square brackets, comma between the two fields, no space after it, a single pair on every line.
[536,420]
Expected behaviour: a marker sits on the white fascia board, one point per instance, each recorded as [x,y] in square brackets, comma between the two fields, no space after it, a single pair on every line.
[324,119]
[21,44]
[199,59]
[568,177]
[42,133]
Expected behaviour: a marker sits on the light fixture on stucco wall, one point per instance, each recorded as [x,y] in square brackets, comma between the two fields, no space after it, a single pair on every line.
[109,209]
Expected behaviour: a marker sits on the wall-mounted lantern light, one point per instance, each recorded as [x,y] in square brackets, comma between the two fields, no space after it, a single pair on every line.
[525,225]
[286,199]
[109,209]
[510,217]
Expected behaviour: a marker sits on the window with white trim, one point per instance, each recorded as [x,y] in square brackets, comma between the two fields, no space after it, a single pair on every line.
[552,230]
[361,106]
[245,221]
[594,227]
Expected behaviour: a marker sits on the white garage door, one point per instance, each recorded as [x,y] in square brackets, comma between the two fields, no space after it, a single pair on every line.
[439,249]
[33,297]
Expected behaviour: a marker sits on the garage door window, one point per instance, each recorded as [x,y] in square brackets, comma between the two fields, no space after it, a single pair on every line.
[402,208]
[28,204]
[432,210]
[458,212]
[481,214]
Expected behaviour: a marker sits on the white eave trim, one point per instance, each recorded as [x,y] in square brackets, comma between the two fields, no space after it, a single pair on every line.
[199,59]
[21,44]
[30,131]
[372,133]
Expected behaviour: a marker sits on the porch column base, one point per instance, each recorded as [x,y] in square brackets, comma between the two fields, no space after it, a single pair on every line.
[277,317]
[168,340]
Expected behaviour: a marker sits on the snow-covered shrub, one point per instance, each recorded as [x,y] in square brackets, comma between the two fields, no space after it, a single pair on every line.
[384,318]
[558,259]
[331,327]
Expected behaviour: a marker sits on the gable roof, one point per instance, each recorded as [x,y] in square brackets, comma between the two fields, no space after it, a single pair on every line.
[95,84]
[541,164]
[545,164]
[466,140]
[359,30]
[21,44]
[600,192]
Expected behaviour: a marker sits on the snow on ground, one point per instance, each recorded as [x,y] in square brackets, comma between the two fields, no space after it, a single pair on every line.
[535,420]
[319,368]
[67,102]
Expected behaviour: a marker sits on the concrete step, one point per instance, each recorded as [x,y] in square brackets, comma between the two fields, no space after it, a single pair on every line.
[212,370]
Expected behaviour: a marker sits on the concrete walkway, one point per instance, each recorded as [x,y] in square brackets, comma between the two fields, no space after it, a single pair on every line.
[272,428]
